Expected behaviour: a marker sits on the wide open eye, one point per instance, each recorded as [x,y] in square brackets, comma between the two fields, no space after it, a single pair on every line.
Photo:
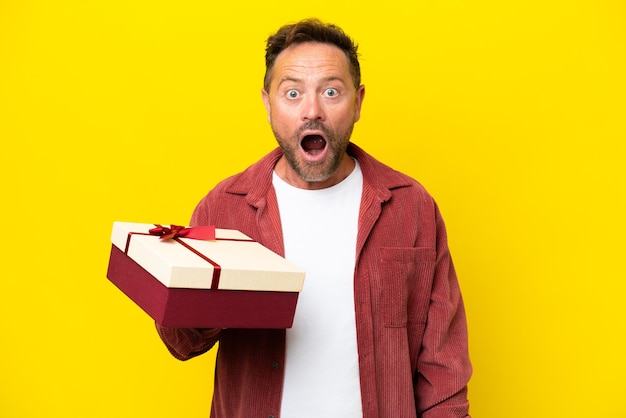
[331,92]
[292,94]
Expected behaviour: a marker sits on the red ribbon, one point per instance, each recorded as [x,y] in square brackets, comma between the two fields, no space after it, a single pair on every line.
[175,231]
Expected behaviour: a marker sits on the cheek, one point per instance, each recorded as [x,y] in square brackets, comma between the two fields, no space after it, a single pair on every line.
[283,118]
[345,119]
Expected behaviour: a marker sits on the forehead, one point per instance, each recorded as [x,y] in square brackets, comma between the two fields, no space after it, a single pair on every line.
[311,59]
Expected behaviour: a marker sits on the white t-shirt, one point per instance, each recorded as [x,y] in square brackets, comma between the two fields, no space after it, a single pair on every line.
[321,367]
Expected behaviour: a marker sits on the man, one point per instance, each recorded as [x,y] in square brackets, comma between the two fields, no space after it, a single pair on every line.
[380,327]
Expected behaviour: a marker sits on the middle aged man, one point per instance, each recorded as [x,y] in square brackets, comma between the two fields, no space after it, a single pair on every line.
[380,328]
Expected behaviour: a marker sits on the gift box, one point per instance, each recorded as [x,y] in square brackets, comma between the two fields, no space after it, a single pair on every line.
[203,277]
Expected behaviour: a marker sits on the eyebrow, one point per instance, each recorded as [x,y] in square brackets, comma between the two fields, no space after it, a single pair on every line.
[287,80]
[300,80]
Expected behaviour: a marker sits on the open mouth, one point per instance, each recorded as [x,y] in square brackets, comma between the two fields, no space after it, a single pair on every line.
[313,144]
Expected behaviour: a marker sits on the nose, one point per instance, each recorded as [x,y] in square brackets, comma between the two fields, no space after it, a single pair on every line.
[312,108]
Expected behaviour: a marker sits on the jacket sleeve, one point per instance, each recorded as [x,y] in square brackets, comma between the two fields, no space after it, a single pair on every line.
[443,365]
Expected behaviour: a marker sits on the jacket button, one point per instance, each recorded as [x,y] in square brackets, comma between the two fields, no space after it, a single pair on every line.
[275,366]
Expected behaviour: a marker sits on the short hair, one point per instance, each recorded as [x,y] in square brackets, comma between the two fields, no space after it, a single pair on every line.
[311,30]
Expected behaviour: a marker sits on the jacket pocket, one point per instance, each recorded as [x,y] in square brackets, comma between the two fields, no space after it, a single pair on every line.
[401,283]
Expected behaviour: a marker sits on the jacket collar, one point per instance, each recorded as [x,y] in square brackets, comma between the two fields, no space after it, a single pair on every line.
[256,180]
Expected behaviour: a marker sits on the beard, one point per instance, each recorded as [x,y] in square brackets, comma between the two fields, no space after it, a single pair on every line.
[312,172]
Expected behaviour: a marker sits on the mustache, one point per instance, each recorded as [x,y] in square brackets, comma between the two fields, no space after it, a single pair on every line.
[314,125]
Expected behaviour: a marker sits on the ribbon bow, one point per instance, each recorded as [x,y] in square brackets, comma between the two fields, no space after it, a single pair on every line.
[175,231]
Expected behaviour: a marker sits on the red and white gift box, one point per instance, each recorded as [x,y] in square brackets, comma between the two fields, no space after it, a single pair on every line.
[225,281]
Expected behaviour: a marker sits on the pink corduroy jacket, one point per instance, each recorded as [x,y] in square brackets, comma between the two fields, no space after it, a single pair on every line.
[411,326]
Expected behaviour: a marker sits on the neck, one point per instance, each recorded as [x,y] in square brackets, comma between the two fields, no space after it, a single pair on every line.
[291,177]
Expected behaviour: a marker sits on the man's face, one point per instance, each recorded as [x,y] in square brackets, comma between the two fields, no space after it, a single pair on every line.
[312,106]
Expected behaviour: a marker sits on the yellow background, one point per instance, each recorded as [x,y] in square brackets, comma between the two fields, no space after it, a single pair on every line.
[511,113]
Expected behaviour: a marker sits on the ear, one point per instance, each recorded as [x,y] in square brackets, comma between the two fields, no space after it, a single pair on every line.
[360,95]
[266,101]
